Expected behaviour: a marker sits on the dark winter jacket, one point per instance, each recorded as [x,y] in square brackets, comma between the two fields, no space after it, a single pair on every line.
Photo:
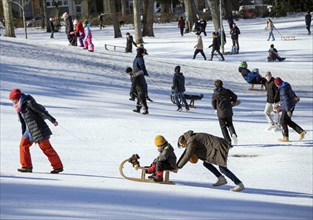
[32,116]
[139,84]
[215,43]
[178,82]
[139,64]
[308,19]
[206,147]
[181,23]
[221,101]
[69,27]
[129,44]
[166,154]
[287,97]
[272,91]
[234,32]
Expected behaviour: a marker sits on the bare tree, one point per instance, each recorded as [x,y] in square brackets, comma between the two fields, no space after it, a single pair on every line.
[148,18]
[116,25]
[137,22]
[214,8]
[124,7]
[191,13]
[85,10]
[8,18]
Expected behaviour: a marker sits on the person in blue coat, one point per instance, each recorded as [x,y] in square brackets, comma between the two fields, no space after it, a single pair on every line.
[288,100]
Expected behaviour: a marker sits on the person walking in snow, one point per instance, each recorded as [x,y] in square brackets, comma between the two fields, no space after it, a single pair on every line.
[181,25]
[139,64]
[165,161]
[34,129]
[69,28]
[288,101]
[88,45]
[222,100]
[308,20]
[234,32]
[199,46]
[270,26]
[138,89]
[272,101]
[211,150]
[129,43]
[216,46]
[100,21]
[51,20]
[80,32]
[178,88]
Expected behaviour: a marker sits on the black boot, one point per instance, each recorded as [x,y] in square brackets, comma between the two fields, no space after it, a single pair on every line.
[25,170]
[138,107]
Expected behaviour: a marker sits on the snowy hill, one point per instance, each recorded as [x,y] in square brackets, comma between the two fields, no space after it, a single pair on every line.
[88,95]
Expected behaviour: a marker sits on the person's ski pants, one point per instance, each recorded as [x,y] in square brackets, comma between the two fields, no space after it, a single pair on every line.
[47,149]
[224,170]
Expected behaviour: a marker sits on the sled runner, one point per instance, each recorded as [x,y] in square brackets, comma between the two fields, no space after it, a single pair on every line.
[190,97]
[135,163]
[262,88]
[114,48]
[286,37]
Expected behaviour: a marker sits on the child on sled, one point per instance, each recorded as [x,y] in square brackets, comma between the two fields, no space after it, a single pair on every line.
[165,161]
[251,77]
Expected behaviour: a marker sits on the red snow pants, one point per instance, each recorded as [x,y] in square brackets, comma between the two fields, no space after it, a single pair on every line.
[47,149]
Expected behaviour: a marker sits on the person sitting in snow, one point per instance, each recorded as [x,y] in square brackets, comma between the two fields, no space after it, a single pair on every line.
[165,161]
[251,77]
[273,55]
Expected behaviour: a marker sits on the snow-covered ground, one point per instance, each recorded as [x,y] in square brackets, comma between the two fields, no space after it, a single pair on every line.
[88,95]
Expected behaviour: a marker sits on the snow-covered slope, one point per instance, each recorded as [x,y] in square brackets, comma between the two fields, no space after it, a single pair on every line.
[88,95]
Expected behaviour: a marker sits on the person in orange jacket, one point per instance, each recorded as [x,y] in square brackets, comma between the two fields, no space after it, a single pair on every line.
[34,129]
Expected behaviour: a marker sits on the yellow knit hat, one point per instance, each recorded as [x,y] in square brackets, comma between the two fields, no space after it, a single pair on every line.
[159,141]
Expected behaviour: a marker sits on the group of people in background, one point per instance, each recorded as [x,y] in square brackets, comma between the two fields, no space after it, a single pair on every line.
[75,29]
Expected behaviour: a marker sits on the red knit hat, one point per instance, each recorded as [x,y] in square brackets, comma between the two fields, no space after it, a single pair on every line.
[277,81]
[15,94]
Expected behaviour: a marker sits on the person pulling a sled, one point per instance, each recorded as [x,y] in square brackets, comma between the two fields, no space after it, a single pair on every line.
[211,150]
[178,89]
[34,130]
[165,161]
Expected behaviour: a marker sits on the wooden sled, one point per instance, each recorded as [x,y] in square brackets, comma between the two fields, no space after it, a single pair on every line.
[190,97]
[288,37]
[143,175]
[114,48]
[252,88]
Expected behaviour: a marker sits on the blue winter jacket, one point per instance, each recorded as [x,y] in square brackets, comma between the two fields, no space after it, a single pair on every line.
[139,64]
[287,97]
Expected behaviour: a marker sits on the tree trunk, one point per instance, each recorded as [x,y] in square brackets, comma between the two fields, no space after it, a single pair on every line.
[124,8]
[215,12]
[148,18]
[85,10]
[8,18]
[107,7]
[45,16]
[191,13]
[116,24]
[137,22]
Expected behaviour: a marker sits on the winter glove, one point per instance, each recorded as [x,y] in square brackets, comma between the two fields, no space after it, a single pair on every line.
[289,114]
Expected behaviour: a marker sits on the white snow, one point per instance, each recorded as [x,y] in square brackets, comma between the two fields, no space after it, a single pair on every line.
[88,95]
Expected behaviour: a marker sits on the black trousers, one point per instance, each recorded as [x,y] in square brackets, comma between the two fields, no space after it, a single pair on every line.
[199,51]
[227,124]
[286,121]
